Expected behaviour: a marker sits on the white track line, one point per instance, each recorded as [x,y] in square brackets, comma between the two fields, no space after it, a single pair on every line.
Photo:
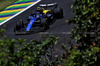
[20,12]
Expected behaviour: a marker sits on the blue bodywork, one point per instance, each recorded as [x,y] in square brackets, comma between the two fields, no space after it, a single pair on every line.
[31,23]
[34,18]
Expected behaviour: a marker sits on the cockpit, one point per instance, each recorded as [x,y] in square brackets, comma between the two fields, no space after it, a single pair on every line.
[37,14]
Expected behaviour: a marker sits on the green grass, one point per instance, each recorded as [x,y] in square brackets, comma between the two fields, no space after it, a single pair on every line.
[5,3]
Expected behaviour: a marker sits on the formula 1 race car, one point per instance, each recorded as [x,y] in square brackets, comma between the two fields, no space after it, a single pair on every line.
[39,20]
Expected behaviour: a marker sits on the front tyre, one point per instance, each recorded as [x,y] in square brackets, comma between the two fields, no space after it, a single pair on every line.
[19,25]
[33,13]
[44,24]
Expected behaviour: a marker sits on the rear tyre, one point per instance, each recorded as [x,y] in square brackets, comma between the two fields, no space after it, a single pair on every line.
[58,13]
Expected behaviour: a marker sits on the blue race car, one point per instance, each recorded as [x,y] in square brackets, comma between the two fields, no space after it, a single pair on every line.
[39,20]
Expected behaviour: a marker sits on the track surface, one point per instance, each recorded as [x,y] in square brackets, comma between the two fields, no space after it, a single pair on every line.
[56,29]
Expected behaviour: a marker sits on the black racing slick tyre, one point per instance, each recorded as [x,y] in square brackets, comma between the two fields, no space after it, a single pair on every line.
[58,13]
[44,24]
[33,13]
[19,25]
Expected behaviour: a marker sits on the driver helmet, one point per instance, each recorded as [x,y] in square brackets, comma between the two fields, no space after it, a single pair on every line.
[39,9]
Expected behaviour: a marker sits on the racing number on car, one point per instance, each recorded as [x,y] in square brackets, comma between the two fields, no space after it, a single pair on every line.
[30,22]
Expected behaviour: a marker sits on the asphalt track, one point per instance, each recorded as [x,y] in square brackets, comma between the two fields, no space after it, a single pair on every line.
[58,28]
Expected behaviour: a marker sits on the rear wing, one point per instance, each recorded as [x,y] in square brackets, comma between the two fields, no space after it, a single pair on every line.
[49,5]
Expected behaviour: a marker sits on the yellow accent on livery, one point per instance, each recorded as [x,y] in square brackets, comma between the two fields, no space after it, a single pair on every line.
[45,11]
